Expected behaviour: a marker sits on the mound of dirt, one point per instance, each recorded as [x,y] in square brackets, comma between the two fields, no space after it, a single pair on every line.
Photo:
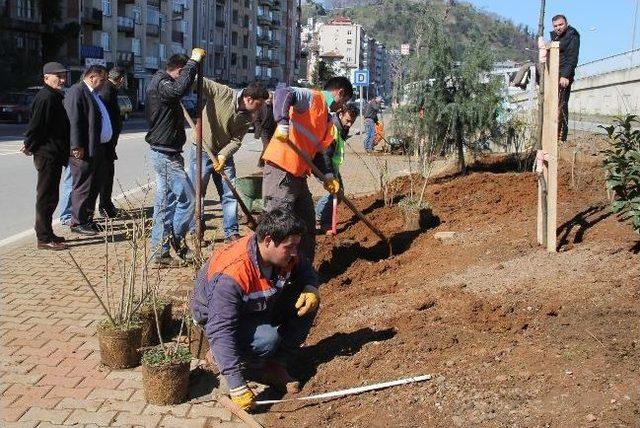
[511,334]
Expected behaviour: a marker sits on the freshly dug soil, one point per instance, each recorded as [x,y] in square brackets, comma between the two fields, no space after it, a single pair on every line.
[119,349]
[166,384]
[149,333]
[513,335]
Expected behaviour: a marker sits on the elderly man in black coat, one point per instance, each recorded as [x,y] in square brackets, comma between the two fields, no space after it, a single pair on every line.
[47,139]
[91,132]
[569,39]
[109,94]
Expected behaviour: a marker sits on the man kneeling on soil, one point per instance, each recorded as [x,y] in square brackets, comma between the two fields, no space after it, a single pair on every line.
[256,299]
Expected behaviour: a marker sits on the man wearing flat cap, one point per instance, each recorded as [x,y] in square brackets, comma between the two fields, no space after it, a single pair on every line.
[47,139]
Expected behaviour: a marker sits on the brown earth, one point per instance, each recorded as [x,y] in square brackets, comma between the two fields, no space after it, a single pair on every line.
[512,335]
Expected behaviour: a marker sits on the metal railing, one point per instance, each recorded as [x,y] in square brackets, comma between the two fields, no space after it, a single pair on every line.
[621,61]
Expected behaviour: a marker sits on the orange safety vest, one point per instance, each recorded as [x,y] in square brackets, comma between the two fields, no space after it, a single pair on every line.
[310,131]
[235,260]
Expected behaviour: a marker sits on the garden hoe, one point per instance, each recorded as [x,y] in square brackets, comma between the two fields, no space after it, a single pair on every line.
[316,171]
[252,221]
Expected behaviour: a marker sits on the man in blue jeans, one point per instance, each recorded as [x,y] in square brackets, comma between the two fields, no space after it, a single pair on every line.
[225,120]
[64,206]
[174,202]
[256,300]
[370,116]
[342,122]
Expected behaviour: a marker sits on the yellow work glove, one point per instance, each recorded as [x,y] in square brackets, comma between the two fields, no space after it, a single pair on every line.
[331,184]
[243,397]
[282,133]
[197,54]
[308,301]
[219,166]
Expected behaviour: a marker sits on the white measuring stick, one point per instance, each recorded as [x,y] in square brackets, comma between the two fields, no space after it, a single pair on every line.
[351,391]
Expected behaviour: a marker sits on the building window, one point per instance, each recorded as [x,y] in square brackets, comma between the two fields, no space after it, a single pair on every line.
[106,41]
[245,41]
[135,46]
[258,70]
[19,42]
[245,22]
[106,7]
[234,17]
[137,15]
[245,62]
[26,9]
[349,41]
[247,4]
[234,38]
[234,59]
[162,51]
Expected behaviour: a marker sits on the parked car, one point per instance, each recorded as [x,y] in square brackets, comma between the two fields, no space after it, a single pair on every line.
[16,106]
[126,106]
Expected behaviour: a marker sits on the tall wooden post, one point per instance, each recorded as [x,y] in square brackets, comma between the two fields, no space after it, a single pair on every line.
[198,183]
[541,75]
[548,182]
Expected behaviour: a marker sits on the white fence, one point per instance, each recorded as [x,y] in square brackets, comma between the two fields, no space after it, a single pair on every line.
[621,61]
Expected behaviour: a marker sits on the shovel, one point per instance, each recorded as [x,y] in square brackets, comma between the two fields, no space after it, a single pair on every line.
[316,171]
[252,221]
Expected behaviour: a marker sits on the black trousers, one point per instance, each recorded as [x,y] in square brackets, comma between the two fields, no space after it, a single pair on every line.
[563,119]
[49,173]
[87,176]
[108,172]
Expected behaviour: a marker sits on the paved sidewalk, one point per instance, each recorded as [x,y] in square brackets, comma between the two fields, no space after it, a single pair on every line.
[50,371]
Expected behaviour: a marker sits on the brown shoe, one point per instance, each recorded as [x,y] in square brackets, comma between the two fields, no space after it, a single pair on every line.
[56,238]
[53,246]
[276,375]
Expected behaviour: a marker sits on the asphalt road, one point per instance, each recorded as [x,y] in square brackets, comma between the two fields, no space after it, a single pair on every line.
[18,175]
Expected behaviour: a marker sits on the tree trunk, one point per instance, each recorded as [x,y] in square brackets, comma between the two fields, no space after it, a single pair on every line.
[462,167]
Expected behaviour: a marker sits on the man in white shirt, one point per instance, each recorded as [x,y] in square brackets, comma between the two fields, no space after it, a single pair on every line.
[90,131]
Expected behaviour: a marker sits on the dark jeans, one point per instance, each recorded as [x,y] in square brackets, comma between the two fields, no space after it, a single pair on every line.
[563,114]
[87,179]
[49,173]
[282,190]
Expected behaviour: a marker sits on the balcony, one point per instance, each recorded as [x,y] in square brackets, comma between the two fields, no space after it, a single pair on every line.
[91,51]
[220,23]
[125,58]
[264,20]
[153,30]
[275,22]
[155,3]
[177,37]
[152,62]
[265,2]
[264,41]
[275,43]
[274,63]
[263,60]
[92,16]
[275,5]
[178,8]
[126,24]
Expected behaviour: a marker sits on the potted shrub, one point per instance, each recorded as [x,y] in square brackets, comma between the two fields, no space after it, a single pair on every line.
[415,212]
[165,374]
[149,333]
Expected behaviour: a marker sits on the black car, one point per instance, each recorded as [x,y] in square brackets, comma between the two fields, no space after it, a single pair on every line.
[16,106]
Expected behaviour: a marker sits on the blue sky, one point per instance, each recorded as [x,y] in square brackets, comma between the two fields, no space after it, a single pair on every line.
[605,26]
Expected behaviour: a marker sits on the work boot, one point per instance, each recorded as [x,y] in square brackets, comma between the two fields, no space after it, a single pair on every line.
[182,250]
[166,261]
[276,375]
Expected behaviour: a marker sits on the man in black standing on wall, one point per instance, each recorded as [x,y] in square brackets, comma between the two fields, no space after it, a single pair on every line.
[569,39]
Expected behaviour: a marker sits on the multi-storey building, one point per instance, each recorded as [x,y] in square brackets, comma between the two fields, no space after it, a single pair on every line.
[343,37]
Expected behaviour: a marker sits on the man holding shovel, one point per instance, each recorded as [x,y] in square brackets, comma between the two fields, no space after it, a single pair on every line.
[304,120]
[256,300]
[228,116]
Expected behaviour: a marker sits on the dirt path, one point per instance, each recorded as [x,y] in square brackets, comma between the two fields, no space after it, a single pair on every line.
[511,334]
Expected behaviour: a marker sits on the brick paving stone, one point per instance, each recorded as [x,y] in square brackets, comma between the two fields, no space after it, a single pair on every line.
[22,368]
[36,414]
[210,411]
[45,403]
[84,417]
[44,361]
[138,395]
[179,410]
[78,363]
[110,393]
[49,370]
[19,424]
[99,382]
[34,352]
[64,381]
[5,400]
[171,421]
[13,413]
[135,374]
[130,419]
[97,373]
[78,403]
[28,341]
[62,392]
[229,425]
[28,390]
[133,407]
[24,379]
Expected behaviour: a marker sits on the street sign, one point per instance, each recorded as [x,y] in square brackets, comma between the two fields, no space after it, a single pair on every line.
[361,78]
[88,62]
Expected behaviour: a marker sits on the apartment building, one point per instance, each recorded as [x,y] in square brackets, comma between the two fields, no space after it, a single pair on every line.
[342,37]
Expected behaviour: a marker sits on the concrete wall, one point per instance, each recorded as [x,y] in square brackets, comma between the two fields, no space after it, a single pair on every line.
[613,93]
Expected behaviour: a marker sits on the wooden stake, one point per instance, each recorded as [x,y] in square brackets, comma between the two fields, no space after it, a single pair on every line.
[198,182]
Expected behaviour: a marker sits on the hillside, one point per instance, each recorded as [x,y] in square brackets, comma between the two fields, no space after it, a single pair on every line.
[393,23]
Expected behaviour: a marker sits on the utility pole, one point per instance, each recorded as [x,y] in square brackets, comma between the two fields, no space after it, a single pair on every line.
[540,73]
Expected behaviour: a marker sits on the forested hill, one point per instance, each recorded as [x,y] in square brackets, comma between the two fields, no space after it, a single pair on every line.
[393,23]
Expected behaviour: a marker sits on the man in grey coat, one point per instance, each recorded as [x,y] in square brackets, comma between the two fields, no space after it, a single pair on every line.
[90,132]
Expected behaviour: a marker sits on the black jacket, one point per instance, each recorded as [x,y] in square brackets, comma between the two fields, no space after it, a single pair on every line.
[370,110]
[163,110]
[84,118]
[264,125]
[569,51]
[109,96]
[48,131]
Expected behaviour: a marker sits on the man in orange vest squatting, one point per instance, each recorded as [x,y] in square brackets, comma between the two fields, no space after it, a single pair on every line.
[303,117]
[256,299]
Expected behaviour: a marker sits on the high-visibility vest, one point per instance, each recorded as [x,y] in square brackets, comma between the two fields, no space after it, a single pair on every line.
[310,131]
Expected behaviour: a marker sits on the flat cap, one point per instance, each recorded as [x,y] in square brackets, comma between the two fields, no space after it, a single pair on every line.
[53,67]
